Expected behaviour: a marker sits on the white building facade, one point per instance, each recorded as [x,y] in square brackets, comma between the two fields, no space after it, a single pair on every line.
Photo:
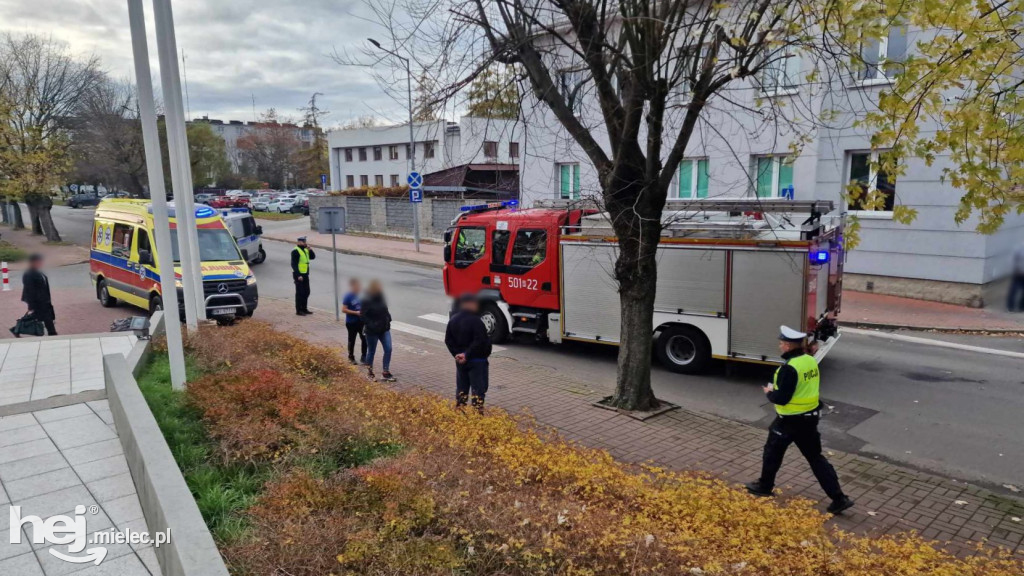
[736,152]
[379,156]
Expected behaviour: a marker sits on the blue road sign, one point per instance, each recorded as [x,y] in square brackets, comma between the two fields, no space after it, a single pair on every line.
[415,180]
[323,181]
[788,192]
[415,195]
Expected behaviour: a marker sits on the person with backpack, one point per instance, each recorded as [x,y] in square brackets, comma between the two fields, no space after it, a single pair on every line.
[377,326]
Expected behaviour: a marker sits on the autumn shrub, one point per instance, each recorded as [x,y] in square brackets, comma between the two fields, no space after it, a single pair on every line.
[436,490]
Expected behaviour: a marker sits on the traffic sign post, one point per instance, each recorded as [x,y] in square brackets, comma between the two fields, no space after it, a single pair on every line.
[331,219]
[323,181]
[415,181]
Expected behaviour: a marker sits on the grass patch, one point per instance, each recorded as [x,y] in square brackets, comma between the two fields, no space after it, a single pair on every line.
[276,215]
[222,490]
[11,253]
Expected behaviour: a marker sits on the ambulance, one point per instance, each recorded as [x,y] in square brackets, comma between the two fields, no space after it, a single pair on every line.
[123,260]
[248,234]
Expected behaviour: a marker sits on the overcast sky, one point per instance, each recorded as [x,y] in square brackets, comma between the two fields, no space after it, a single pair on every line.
[275,50]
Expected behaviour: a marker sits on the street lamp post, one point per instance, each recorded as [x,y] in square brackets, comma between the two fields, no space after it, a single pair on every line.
[412,140]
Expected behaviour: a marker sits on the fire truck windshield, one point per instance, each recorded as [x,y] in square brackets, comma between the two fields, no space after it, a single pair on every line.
[470,245]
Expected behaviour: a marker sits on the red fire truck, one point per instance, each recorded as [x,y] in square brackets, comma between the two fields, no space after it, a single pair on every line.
[730,272]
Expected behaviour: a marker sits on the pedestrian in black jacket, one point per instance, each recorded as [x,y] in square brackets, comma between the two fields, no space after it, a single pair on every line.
[36,293]
[468,342]
[377,325]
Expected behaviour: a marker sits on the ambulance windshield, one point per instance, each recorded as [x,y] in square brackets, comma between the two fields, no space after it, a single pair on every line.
[215,245]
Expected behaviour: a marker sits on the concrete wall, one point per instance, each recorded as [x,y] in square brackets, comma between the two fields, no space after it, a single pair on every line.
[390,216]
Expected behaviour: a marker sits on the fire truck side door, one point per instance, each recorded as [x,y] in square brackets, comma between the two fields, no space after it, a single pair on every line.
[532,273]
[469,257]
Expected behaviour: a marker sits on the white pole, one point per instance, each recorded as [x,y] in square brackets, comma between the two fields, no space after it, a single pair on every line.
[181,171]
[157,192]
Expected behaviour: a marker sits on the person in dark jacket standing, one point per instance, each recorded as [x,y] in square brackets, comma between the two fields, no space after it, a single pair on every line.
[301,255]
[377,325]
[352,307]
[36,293]
[468,342]
[794,392]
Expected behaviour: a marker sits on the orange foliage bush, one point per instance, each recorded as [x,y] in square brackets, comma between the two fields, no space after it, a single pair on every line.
[494,494]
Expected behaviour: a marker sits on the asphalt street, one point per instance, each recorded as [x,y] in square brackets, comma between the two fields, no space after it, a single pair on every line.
[953,412]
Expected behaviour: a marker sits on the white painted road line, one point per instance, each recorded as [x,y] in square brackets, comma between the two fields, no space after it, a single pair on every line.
[427,333]
[933,342]
[439,318]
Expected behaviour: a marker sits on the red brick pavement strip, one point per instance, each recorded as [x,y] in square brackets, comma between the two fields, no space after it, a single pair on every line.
[78,311]
[889,498]
[892,311]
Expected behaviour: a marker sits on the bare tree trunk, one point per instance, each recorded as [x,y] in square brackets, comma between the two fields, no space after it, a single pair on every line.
[46,219]
[33,218]
[3,211]
[41,204]
[19,222]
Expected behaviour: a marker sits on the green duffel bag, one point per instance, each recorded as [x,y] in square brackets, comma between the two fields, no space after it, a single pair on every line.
[28,325]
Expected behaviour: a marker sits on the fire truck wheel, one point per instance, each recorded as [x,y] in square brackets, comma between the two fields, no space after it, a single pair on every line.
[683,349]
[106,300]
[494,321]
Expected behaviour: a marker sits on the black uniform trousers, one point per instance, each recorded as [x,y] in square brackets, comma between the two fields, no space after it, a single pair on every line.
[803,431]
[302,293]
[471,381]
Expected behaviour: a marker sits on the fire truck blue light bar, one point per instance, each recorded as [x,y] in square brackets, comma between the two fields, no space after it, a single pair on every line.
[820,256]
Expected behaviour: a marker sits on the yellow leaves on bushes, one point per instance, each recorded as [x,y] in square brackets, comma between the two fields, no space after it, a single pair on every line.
[491,494]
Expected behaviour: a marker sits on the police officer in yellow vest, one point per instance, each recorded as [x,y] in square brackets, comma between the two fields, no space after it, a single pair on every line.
[301,255]
[794,392]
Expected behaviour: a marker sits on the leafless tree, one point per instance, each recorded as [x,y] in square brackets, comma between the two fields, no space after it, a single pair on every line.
[631,82]
[44,84]
[107,143]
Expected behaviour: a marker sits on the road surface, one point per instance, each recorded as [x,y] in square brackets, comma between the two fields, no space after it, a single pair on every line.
[954,412]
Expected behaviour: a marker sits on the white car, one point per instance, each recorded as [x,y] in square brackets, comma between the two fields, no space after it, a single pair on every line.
[282,203]
[262,203]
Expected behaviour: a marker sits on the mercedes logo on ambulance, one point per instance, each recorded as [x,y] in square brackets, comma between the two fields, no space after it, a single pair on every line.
[222,288]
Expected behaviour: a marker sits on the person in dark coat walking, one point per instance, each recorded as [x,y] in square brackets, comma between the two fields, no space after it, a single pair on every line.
[36,293]
[301,255]
[377,325]
[468,342]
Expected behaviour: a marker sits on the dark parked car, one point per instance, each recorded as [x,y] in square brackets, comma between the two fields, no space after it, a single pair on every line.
[301,206]
[87,199]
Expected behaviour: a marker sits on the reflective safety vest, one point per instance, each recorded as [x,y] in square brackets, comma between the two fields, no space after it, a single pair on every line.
[805,397]
[303,259]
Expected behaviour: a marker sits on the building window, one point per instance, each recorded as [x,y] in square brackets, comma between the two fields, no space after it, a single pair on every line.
[773,176]
[362,154]
[568,181]
[378,180]
[350,181]
[571,85]
[428,149]
[693,179]
[394,180]
[883,57]
[877,190]
[364,180]
[491,150]
[378,153]
[348,154]
[393,152]
[513,149]
[781,72]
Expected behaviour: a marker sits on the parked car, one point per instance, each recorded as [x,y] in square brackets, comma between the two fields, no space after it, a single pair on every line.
[301,206]
[282,203]
[86,199]
[204,198]
[261,203]
[221,202]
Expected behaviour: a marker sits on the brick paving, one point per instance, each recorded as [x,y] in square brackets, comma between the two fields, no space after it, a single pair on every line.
[78,310]
[890,498]
[55,254]
[430,254]
[867,308]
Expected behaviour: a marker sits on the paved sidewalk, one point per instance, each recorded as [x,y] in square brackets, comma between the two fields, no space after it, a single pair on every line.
[56,255]
[878,310]
[54,460]
[78,310]
[40,368]
[400,250]
[889,498]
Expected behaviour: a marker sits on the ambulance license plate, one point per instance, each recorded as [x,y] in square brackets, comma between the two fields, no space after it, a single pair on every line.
[225,311]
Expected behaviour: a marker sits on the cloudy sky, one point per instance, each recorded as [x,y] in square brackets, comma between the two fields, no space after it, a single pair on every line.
[277,51]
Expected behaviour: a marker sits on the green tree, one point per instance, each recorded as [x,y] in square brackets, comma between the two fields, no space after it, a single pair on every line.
[495,94]
[959,96]
[207,154]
